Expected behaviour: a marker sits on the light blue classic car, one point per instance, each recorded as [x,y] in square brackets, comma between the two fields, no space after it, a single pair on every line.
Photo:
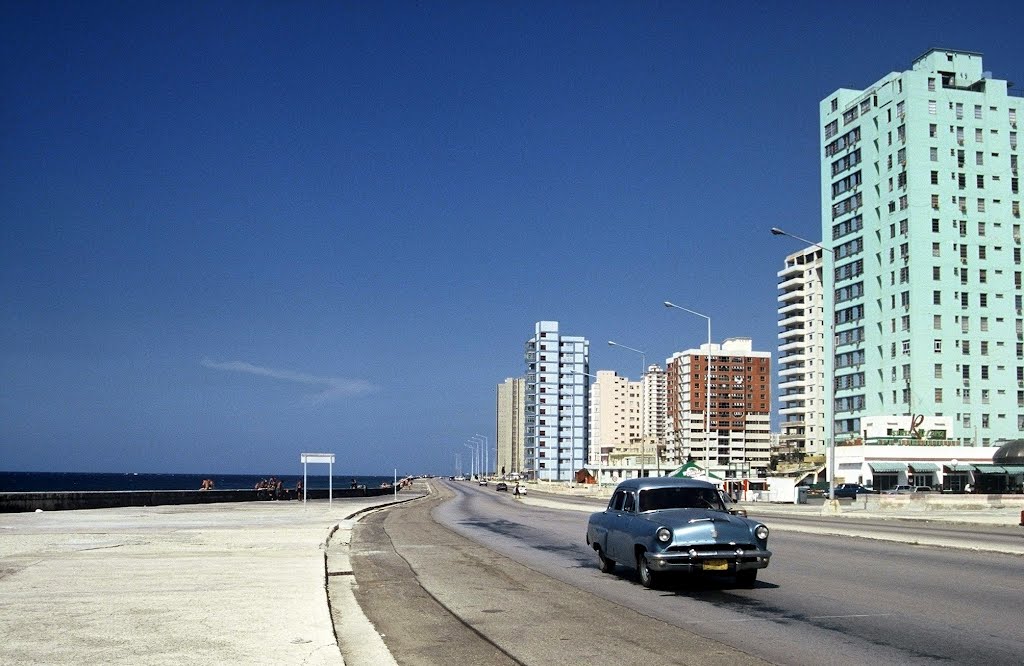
[667,524]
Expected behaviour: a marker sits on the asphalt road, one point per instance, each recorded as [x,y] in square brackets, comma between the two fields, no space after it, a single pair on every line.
[533,595]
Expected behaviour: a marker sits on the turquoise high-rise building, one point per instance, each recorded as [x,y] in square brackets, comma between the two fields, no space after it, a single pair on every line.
[921,213]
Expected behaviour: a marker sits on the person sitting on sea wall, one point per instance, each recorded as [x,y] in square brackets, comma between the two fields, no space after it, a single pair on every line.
[207,484]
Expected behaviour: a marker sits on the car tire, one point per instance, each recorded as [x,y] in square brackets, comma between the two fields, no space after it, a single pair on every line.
[604,564]
[648,578]
[746,578]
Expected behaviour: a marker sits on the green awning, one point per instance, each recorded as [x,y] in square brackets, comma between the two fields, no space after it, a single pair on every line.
[960,467]
[924,467]
[990,469]
[691,470]
[887,466]
[1014,469]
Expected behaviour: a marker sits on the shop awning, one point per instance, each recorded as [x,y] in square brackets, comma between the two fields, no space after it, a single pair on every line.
[924,467]
[887,466]
[990,469]
[1014,469]
[959,467]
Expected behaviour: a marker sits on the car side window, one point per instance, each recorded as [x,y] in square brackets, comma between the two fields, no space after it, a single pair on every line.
[629,505]
[616,503]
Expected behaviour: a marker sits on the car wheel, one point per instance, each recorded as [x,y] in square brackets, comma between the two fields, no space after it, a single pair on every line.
[604,564]
[746,578]
[647,577]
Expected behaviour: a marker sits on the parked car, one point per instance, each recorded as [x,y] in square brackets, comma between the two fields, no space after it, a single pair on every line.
[501,485]
[899,490]
[922,489]
[851,490]
[666,524]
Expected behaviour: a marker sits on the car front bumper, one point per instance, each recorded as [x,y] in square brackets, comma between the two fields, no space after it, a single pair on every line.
[709,560]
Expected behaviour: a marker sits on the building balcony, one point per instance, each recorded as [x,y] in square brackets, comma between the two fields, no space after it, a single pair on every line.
[792,381]
[791,371]
[788,283]
[799,311]
[792,332]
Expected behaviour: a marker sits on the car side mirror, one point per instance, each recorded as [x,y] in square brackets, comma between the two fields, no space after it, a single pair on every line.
[738,512]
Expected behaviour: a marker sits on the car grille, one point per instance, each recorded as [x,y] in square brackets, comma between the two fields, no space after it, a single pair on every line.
[711,548]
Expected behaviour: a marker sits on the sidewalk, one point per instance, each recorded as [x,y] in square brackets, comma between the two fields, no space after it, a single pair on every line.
[869,507]
[224,583]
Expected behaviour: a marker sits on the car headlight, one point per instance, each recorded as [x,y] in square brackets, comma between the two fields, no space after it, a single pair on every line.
[664,534]
[761,532]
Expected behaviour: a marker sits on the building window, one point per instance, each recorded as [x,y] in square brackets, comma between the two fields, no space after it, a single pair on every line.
[931,107]
[937,322]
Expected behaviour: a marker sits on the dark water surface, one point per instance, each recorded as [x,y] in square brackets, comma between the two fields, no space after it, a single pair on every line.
[58,481]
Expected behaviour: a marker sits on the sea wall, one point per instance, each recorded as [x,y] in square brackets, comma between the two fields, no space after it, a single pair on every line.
[100,499]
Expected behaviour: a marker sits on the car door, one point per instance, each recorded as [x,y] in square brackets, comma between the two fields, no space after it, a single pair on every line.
[620,537]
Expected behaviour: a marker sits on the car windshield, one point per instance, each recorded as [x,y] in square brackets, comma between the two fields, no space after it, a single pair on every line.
[656,499]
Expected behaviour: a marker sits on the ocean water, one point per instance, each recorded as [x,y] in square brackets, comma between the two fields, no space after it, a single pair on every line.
[58,481]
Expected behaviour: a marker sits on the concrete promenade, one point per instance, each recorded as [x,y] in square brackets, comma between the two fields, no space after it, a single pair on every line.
[214,584]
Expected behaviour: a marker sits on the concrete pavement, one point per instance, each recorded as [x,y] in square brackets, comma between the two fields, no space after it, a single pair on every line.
[227,583]
[218,584]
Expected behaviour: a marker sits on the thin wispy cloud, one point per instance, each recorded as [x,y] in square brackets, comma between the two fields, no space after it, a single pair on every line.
[329,388]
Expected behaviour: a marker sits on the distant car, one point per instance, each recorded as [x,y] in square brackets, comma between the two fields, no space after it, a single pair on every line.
[667,524]
[851,490]
[922,489]
[899,490]
[483,482]
[501,486]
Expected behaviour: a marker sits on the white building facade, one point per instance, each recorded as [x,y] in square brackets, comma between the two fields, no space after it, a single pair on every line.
[801,359]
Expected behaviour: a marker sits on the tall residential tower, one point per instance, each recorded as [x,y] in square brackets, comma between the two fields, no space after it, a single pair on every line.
[511,425]
[921,211]
[802,356]
[557,384]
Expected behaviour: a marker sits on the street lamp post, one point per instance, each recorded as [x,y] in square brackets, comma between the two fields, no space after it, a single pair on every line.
[472,459]
[707,388]
[830,393]
[643,355]
[587,374]
[643,373]
[479,453]
[487,454]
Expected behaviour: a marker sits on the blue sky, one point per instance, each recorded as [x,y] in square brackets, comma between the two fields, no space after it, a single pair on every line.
[233,232]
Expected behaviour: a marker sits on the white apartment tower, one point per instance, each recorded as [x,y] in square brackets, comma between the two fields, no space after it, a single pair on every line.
[557,387]
[654,400]
[511,424]
[802,341]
